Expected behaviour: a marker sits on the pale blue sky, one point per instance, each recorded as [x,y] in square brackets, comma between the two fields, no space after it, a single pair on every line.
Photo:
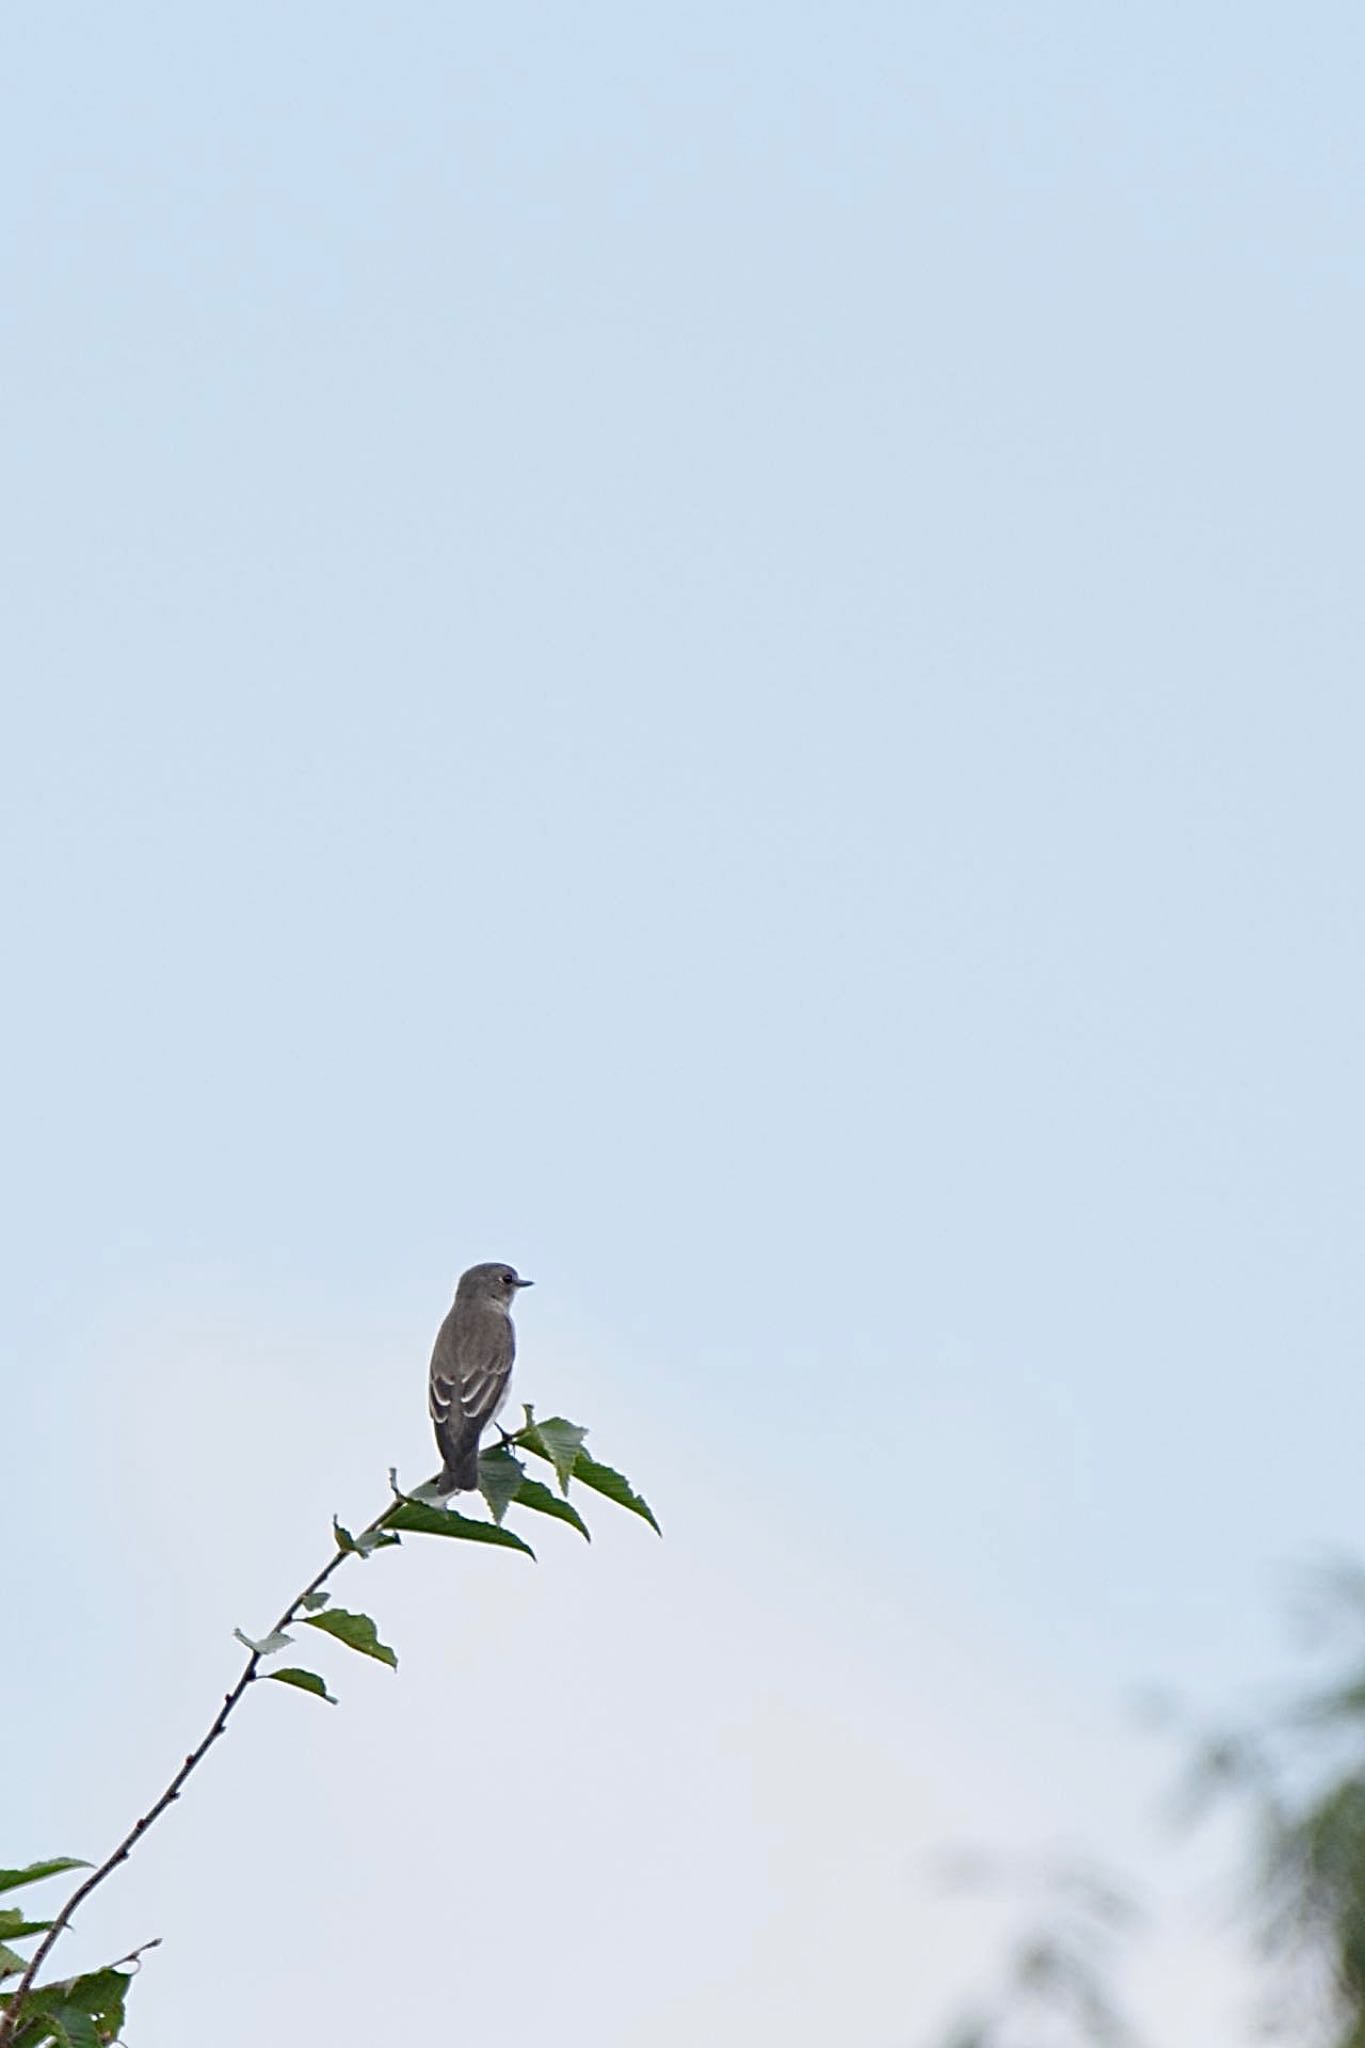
[718,651]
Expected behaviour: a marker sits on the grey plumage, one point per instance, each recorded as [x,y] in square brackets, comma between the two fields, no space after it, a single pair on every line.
[471,1366]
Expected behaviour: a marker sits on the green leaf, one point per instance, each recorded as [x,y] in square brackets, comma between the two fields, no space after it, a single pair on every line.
[11,1965]
[558,1441]
[414,1518]
[500,1480]
[82,2012]
[357,1631]
[268,1646]
[13,1926]
[534,1495]
[102,1993]
[363,1545]
[311,1602]
[602,1479]
[74,2027]
[306,1681]
[10,1880]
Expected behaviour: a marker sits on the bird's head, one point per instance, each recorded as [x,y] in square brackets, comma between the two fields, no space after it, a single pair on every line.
[493,1284]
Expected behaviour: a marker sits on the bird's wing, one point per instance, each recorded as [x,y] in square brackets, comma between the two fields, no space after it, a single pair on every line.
[470,1367]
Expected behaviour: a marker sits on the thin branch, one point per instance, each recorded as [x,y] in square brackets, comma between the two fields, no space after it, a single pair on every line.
[135,1955]
[13,2012]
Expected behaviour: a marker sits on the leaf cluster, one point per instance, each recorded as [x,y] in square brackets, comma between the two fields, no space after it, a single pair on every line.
[74,2012]
[504,1483]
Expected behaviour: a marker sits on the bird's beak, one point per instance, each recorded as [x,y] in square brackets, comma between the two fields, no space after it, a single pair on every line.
[523,1283]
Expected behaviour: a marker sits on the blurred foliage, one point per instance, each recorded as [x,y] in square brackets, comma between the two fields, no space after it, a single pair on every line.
[1291,1772]
[1055,1986]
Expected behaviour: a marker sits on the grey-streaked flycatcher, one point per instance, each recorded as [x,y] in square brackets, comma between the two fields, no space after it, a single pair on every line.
[470,1369]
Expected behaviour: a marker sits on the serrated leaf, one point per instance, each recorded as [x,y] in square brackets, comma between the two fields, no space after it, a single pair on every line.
[603,1480]
[32,1873]
[13,1925]
[558,1441]
[500,1480]
[268,1646]
[306,1681]
[415,1519]
[357,1631]
[311,1602]
[534,1495]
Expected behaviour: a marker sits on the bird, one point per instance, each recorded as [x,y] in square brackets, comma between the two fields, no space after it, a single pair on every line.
[471,1365]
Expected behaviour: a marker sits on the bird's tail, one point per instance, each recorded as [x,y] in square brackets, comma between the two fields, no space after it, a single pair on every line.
[461,1470]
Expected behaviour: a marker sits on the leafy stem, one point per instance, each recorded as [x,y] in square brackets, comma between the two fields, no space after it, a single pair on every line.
[503,1480]
[13,2013]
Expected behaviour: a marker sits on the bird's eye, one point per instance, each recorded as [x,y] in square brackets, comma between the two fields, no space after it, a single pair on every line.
[509,1279]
